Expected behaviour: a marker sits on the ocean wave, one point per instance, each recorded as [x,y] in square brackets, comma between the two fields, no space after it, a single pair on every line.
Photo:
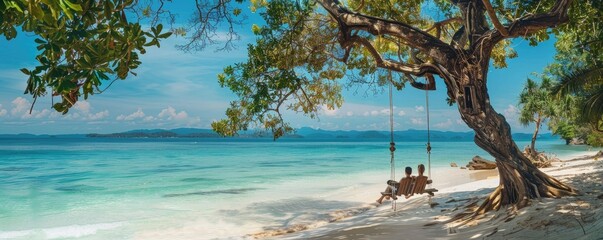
[72,231]
[80,188]
[214,192]
[199,179]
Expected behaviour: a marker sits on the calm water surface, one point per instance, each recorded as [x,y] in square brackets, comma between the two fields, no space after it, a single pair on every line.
[157,188]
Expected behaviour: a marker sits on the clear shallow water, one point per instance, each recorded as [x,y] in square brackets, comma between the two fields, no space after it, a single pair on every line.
[182,188]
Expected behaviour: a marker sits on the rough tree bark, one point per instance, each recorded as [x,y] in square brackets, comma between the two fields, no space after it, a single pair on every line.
[463,65]
[520,180]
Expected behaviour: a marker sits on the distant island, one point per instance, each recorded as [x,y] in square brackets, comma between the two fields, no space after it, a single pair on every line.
[301,133]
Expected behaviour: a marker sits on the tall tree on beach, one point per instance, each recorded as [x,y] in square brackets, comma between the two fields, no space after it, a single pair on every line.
[304,50]
[536,106]
[299,56]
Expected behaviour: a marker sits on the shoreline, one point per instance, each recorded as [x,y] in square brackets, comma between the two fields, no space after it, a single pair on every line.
[458,188]
[445,178]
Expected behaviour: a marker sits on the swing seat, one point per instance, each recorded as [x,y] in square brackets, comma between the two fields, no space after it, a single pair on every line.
[405,187]
[420,184]
[414,185]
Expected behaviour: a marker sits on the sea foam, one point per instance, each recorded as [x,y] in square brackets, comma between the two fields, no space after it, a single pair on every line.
[72,231]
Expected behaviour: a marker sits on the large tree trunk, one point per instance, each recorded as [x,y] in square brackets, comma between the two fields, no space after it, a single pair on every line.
[520,180]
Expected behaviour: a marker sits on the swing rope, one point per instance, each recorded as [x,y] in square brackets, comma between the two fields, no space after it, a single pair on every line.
[428,135]
[392,145]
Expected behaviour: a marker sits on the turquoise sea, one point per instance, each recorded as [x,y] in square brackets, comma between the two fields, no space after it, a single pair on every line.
[53,188]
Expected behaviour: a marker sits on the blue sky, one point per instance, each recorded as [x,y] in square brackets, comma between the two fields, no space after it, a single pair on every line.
[175,89]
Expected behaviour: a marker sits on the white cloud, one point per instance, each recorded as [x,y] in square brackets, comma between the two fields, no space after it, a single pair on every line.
[446,124]
[329,112]
[349,114]
[382,112]
[41,114]
[2,111]
[83,106]
[73,116]
[171,114]
[97,116]
[460,122]
[417,121]
[401,113]
[419,108]
[511,112]
[135,115]
[20,105]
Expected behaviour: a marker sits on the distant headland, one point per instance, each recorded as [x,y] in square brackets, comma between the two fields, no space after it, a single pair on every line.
[301,133]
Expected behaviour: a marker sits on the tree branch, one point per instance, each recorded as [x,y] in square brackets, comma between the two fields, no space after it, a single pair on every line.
[494,18]
[440,24]
[530,24]
[205,22]
[413,69]
[414,37]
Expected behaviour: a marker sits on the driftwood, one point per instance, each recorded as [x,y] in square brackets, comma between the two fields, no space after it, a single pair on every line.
[479,163]
[539,159]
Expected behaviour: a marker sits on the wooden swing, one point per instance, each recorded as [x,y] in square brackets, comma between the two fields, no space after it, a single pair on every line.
[412,185]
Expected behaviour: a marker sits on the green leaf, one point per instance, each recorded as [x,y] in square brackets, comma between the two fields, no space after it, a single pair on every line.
[165,35]
[12,4]
[39,41]
[60,107]
[256,29]
[37,12]
[159,28]
[25,71]
[73,6]
[66,9]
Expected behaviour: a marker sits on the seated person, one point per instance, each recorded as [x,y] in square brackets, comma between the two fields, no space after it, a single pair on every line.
[393,187]
[421,182]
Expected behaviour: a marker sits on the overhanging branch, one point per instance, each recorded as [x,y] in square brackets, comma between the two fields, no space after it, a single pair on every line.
[413,69]
[530,24]
[349,21]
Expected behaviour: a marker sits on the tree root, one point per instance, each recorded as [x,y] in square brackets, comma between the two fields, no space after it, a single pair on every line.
[549,188]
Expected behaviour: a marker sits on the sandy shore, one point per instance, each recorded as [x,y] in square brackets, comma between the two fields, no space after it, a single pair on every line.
[579,217]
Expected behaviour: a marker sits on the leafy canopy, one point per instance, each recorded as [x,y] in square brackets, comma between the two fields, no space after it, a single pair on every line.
[535,102]
[578,67]
[297,63]
[81,44]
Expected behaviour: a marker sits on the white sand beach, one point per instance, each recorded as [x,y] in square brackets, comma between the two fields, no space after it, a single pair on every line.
[579,217]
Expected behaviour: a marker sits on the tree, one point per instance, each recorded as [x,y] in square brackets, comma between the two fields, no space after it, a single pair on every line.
[565,130]
[300,54]
[579,63]
[536,106]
